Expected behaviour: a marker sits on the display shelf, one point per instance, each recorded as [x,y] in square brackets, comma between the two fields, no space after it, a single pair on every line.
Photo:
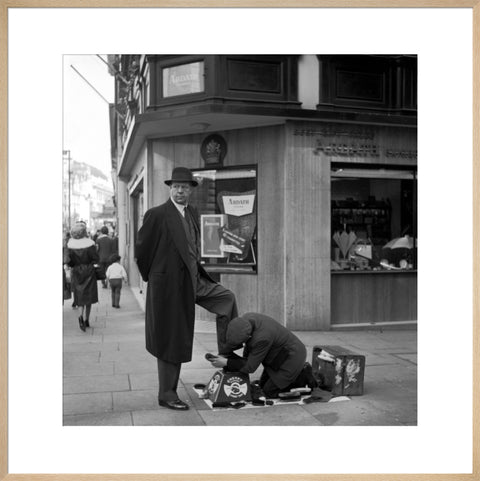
[370,217]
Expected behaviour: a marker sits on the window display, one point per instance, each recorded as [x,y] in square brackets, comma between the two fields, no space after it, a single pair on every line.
[227,203]
[373,218]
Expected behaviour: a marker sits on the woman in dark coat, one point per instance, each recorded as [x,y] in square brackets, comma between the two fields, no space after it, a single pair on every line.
[83,255]
[67,287]
[268,343]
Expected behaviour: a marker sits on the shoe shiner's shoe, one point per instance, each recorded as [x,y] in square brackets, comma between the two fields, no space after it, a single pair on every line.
[289,396]
[258,396]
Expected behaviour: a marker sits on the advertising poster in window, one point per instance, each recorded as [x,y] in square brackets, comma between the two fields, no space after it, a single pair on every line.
[212,244]
[238,232]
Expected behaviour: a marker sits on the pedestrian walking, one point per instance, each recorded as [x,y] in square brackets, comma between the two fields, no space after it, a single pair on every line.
[114,238]
[116,274]
[269,343]
[83,255]
[168,254]
[105,247]
[67,269]
[67,287]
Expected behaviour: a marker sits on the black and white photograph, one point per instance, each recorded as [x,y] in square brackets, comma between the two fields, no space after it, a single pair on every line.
[240,240]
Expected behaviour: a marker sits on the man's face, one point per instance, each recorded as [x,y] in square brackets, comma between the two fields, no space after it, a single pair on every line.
[180,192]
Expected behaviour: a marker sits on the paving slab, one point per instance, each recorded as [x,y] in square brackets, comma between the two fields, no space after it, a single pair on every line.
[87,403]
[135,400]
[89,384]
[102,419]
[167,417]
[399,373]
[291,415]
[137,355]
[132,365]
[76,357]
[378,360]
[90,368]
[126,346]
[143,380]
[91,345]
[121,337]
[79,337]
[413,358]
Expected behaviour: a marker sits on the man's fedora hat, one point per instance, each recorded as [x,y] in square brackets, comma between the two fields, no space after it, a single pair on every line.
[182,174]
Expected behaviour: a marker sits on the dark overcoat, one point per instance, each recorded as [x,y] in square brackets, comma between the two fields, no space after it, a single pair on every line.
[163,260]
[83,255]
[269,343]
[105,247]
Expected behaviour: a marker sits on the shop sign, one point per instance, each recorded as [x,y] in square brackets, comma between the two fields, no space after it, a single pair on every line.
[337,131]
[401,154]
[346,150]
[183,79]
[359,141]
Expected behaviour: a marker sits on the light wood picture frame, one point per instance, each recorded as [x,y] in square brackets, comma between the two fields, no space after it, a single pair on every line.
[5,474]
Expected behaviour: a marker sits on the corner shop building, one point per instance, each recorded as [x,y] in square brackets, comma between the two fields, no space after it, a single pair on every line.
[321,148]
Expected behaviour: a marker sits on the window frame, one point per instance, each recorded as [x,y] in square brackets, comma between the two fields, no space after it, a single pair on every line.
[233,267]
[382,172]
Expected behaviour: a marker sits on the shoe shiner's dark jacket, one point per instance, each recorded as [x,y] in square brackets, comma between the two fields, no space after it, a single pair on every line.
[267,342]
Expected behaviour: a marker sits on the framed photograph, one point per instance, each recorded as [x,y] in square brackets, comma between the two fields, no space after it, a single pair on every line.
[317,193]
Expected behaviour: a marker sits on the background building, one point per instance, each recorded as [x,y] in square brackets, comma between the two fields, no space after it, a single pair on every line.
[307,169]
[88,195]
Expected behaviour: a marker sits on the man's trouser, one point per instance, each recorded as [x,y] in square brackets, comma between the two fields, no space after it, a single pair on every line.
[214,298]
[221,301]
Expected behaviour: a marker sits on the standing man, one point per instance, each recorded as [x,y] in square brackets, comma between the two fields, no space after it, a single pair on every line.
[167,254]
[105,250]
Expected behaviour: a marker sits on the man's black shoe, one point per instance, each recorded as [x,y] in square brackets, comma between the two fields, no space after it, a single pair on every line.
[178,405]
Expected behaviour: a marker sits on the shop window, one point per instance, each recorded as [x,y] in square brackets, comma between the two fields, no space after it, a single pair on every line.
[373,218]
[226,200]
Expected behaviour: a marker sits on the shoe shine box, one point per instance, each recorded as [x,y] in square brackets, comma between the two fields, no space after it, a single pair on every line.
[339,370]
[229,387]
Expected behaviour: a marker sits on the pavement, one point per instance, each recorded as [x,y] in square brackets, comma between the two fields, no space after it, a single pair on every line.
[109,379]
